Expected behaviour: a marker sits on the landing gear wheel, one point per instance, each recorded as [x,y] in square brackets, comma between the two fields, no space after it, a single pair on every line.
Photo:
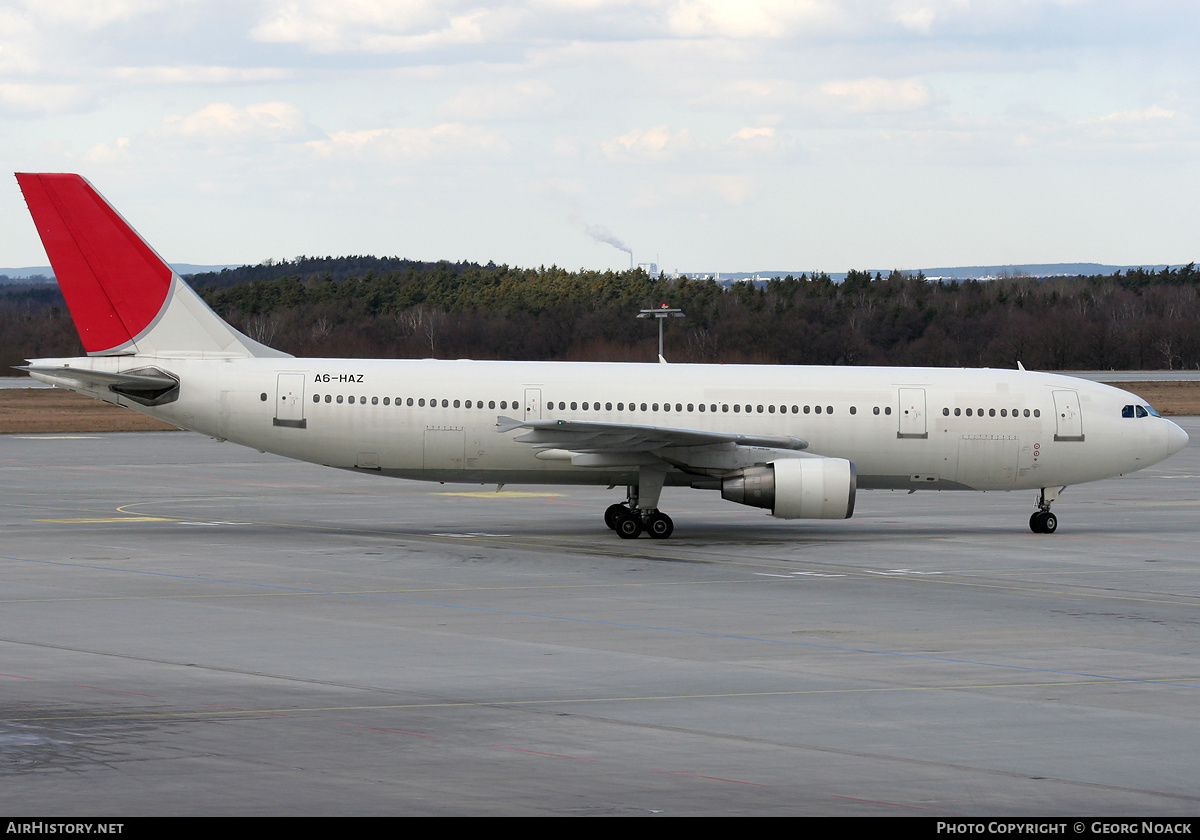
[613,514]
[629,526]
[1043,522]
[659,526]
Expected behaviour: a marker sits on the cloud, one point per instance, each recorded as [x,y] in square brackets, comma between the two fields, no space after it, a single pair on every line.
[102,154]
[222,122]
[1154,112]
[875,94]
[648,144]
[501,101]
[750,19]
[196,74]
[700,188]
[411,145]
[378,26]
[90,14]
[43,98]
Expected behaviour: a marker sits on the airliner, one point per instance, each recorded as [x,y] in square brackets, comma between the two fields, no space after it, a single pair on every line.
[797,441]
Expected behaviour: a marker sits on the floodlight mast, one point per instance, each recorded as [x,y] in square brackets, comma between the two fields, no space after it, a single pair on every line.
[661,314]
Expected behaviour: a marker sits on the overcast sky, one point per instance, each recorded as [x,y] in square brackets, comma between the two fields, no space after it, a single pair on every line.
[709,135]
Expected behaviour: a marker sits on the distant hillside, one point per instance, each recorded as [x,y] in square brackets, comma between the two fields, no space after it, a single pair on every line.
[342,268]
[967,272]
[45,274]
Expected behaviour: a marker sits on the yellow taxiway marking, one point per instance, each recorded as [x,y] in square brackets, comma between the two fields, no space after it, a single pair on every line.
[110,519]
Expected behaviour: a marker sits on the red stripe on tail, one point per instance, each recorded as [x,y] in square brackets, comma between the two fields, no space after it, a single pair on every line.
[114,283]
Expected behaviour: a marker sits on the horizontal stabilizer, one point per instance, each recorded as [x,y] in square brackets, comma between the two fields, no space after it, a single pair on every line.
[148,386]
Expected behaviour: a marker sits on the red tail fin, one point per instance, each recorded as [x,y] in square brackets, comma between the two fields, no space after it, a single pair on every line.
[114,283]
[123,297]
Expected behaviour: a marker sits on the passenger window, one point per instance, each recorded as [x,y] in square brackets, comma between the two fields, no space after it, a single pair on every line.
[875,410]
[339,399]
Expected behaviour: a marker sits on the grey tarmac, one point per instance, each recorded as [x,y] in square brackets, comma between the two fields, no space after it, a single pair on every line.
[189,627]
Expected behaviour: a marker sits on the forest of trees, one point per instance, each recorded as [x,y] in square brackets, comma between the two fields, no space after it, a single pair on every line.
[393,308]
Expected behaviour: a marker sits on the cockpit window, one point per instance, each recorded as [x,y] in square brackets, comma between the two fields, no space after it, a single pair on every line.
[1139,411]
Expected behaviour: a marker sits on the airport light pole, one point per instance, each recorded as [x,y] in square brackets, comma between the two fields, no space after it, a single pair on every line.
[661,314]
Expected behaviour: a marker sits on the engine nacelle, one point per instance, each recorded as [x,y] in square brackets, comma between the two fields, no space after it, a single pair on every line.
[797,488]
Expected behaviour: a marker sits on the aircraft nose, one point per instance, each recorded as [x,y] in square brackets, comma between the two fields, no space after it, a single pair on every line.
[1177,438]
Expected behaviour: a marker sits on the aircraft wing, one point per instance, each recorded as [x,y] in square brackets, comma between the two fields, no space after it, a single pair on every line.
[580,436]
[611,444]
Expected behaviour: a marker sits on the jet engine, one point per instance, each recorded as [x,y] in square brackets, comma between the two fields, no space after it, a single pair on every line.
[796,488]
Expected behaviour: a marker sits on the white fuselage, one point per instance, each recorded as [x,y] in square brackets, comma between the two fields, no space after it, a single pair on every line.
[903,428]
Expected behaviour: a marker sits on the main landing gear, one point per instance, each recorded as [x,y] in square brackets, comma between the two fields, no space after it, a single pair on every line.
[630,519]
[1043,521]
[630,522]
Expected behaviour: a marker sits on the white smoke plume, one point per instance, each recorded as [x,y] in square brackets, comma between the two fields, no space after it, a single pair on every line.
[602,234]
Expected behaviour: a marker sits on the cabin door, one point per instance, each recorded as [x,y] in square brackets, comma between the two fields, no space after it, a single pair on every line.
[1068,421]
[289,400]
[912,414]
[533,403]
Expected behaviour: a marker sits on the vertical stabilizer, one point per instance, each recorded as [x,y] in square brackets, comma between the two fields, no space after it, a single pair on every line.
[124,298]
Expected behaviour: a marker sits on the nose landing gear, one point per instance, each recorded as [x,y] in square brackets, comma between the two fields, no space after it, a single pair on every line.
[1043,521]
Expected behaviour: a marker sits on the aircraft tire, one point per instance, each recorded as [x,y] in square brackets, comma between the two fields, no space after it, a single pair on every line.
[612,514]
[1043,522]
[629,526]
[660,526]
